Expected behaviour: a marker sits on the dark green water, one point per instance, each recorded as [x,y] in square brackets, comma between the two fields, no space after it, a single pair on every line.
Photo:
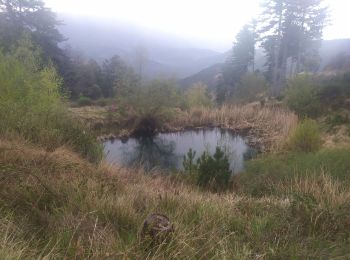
[166,151]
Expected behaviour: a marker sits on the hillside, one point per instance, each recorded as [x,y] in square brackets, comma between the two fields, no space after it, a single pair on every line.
[208,76]
[335,56]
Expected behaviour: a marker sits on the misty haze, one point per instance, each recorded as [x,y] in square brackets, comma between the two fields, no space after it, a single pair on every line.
[181,129]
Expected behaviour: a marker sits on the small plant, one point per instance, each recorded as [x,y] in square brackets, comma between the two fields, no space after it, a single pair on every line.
[306,137]
[189,163]
[84,101]
[214,171]
[211,172]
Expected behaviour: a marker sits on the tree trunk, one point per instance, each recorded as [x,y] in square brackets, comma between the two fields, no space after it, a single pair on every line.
[277,48]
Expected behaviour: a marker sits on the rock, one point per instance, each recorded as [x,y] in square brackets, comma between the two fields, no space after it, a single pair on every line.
[157,227]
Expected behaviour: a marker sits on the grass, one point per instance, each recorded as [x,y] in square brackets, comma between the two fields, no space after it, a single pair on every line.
[269,124]
[264,174]
[32,106]
[265,126]
[58,201]
[56,205]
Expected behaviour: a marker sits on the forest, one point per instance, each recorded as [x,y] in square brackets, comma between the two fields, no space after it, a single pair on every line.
[64,115]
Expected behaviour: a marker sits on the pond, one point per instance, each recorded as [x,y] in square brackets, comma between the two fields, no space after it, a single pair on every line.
[167,150]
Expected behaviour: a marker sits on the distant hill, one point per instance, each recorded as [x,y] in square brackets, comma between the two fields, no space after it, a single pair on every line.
[335,55]
[332,49]
[208,76]
[166,55]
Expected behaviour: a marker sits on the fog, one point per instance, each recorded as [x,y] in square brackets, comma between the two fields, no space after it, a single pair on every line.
[206,24]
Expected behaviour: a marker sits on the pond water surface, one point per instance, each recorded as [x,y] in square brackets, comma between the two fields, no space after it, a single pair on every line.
[167,150]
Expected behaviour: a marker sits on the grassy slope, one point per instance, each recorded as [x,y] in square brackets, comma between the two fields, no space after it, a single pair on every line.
[56,205]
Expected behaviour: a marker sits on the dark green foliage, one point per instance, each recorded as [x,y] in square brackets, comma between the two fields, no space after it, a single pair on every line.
[118,79]
[214,171]
[291,30]
[189,163]
[302,96]
[239,62]
[211,171]
[31,19]
[336,119]
[335,90]
[306,137]
[84,101]
[313,96]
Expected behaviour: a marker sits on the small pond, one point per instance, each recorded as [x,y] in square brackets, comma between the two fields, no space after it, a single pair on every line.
[167,150]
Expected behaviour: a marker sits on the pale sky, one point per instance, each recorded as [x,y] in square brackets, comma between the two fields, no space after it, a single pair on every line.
[211,22]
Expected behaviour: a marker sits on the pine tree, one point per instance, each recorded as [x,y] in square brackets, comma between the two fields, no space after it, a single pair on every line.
[291,30]
[242,57]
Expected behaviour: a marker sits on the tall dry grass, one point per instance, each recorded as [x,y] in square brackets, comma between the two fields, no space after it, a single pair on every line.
[266,126]
[62,207]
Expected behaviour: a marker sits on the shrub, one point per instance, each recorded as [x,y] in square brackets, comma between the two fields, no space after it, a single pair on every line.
[31,105]
[198,96]
[212,172]
[302,96]
[84,101]
[306,137]
[189,163]
[155,102]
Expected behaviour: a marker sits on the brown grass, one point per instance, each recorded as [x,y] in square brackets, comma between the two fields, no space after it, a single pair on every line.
[54,205]
[265,126]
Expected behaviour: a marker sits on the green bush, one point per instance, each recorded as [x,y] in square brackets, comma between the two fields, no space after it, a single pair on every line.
[198,96]
[306,137]
[31,105]
[302,96]
[212,172]
[84,101]
[154,103]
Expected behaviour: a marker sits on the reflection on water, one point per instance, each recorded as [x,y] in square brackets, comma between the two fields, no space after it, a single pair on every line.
[167,150]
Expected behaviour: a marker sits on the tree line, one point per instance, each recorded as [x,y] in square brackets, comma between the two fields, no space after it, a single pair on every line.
[290,34]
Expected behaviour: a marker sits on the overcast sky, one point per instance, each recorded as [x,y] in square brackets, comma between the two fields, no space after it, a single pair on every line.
[212,23]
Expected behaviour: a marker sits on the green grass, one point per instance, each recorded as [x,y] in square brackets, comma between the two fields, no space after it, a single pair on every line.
[262,174]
